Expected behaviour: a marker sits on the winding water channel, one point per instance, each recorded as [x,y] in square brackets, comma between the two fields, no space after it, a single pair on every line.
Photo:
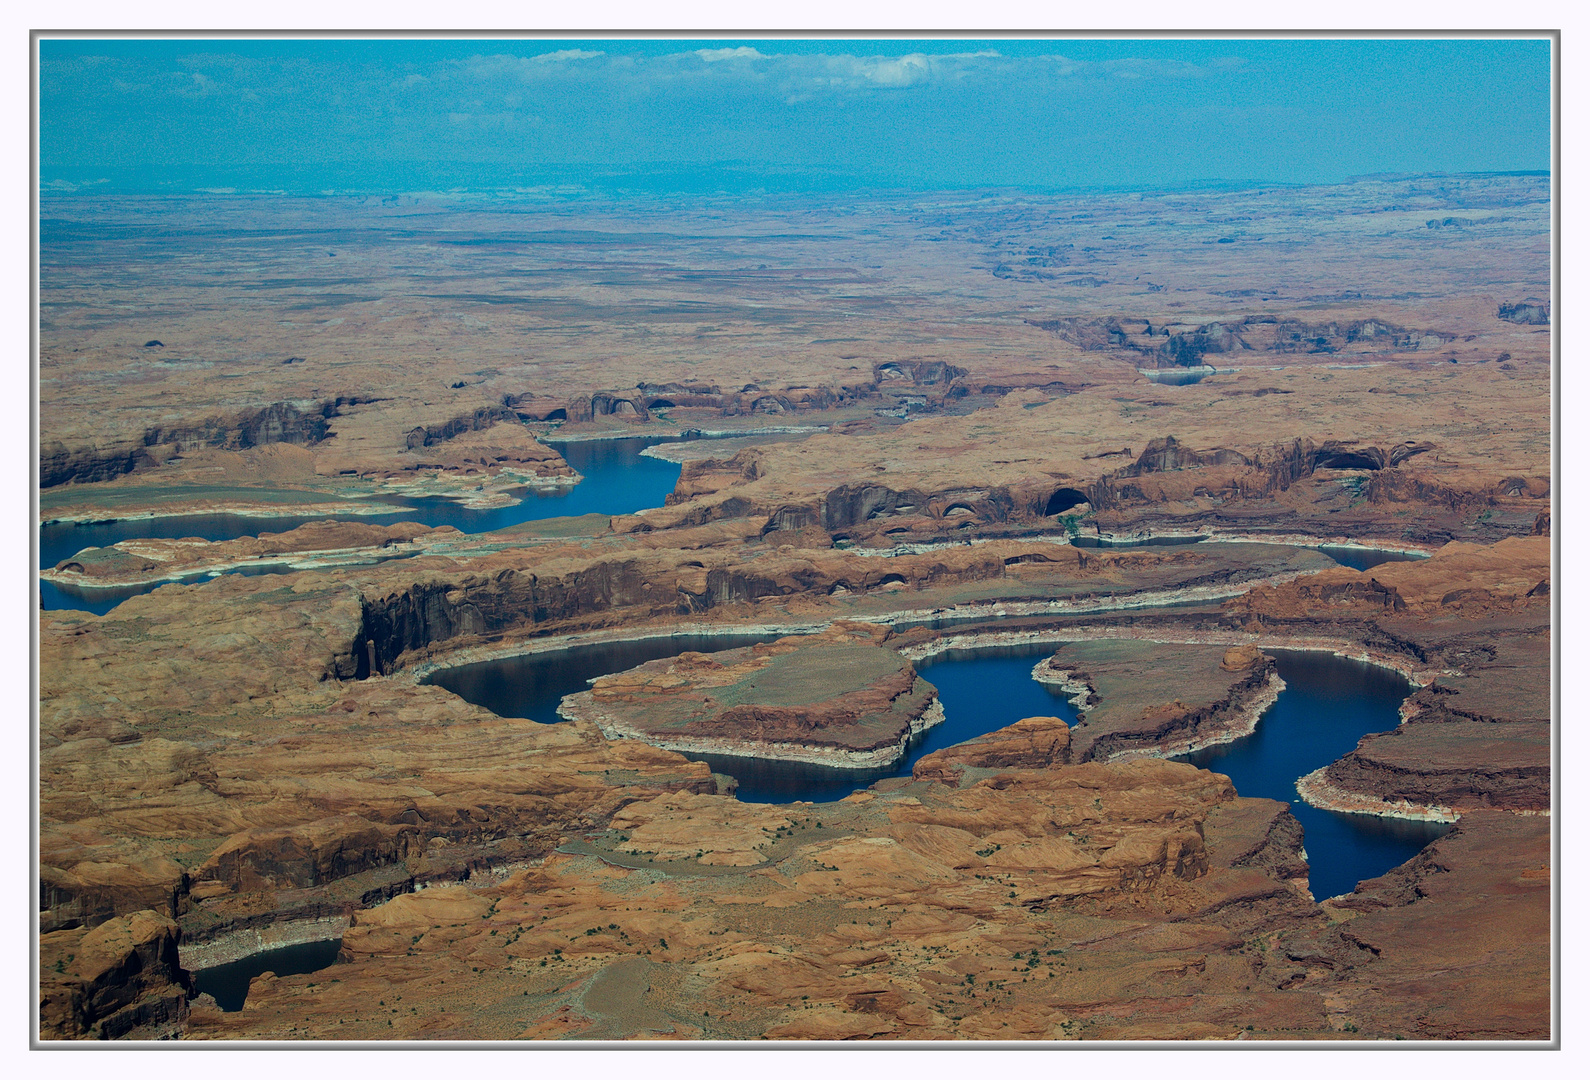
[617,480]
[1328,705]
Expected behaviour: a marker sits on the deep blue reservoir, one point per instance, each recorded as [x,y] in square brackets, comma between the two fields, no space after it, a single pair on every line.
[1328,705]
[617,480]
[228,983]
[981,692]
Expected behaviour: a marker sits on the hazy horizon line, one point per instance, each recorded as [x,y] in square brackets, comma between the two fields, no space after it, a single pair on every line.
[575,180]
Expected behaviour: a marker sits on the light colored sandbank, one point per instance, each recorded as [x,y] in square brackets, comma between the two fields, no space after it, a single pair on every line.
[1240,722]
[1079,689]
[1418,676]
[247,510]
[581,706]
[1319,792]
[239,944]
[560,435]
[480,653]
[711,444]
[195,574]
[967,613]
[1196,594]
[960,613]
[1124,540]
[477,493]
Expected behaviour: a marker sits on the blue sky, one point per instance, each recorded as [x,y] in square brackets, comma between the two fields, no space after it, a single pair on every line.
[400,114]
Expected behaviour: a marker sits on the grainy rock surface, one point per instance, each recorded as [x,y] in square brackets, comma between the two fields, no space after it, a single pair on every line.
[1216,694]
[839,697]
[220,759]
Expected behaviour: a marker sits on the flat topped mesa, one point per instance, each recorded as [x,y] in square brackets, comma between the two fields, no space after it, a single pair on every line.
[840,698]
[1145,699]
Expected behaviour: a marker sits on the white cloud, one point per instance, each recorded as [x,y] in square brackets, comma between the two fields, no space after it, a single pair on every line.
[566,54]
[744,52]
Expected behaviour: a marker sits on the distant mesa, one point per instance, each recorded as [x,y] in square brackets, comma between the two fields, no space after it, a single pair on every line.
[152,344]
[1185,345]
[1530,312]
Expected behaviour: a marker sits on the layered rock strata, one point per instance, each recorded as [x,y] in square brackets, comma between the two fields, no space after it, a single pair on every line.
[1121,686]
[311,546]
[289,789]
[120,978]
[839,698]
[238,756]
[1477,734]
[1450,945]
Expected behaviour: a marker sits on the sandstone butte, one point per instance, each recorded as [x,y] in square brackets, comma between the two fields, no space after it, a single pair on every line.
[259,753]
[836,698]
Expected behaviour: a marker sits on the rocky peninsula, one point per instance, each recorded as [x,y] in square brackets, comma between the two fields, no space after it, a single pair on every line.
[1121,687]
[837,698]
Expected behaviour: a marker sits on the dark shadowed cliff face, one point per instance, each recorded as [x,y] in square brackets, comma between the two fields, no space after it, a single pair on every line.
[1503,766]
[327,796]
[293,423]
[120,976]
[1529,312]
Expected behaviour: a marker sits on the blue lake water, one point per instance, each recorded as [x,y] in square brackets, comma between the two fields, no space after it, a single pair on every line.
[963,681]
[1364,558]
[1328,705]
[228,983]
[618,480]
[533,686]
[1147,541]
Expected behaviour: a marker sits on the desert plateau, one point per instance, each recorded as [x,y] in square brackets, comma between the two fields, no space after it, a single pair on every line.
[961,613]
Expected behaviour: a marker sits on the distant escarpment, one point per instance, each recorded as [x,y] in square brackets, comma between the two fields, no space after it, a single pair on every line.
[1175,344]
[918,385]
[1169,485]
[295,423]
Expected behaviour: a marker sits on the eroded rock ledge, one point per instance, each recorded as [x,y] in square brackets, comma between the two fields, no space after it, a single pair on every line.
[249,786]
[837,698]
[1121,690]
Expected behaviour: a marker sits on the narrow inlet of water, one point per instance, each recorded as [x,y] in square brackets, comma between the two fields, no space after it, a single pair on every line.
[228,983]
[533,686]
[1363,558]
[617,480]
[1329,704]
[963,680]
